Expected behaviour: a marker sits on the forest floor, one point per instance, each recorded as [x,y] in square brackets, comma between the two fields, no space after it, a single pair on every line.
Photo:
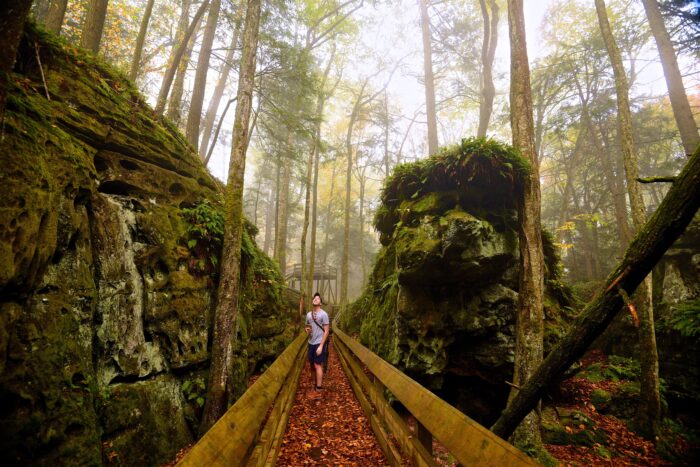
[613,442]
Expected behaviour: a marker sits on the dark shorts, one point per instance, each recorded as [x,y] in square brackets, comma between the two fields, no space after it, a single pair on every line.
[313,358]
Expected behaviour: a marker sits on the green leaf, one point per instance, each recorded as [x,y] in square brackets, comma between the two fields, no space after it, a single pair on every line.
[191,243]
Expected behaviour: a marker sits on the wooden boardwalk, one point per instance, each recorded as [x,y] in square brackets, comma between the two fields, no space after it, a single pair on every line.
[276,423]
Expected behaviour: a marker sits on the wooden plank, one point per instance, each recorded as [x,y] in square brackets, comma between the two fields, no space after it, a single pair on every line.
[409,444]
[284,418]
[270,433]
[232,438]
[469,442]
[390,451]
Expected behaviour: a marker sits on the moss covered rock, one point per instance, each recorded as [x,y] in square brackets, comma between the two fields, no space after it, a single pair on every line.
[440,303]
[104,310]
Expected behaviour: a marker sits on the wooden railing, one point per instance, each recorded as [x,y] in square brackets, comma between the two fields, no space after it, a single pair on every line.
[469,442]
[251,431]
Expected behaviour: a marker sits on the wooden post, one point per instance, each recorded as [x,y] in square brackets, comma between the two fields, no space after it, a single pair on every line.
[424,436]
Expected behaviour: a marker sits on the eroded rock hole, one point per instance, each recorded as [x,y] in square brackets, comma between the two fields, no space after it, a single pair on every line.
[176,189]
[117,187]
[100,164]
[129,165]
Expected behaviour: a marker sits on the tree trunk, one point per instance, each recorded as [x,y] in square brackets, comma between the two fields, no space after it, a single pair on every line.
[363,181]
[611,182]
[200,80]
[13,14]
[488,51]
[649,415]
[55,15]
[674,81]
[282,215]
[530,315]
[651,242]
[386,135]
[429,80]
[308,274]
[183,23]
[345,261]
[93,25]
[215,101]
[138,49]
[175,102]
[226,315]
[269,215]
[178,52]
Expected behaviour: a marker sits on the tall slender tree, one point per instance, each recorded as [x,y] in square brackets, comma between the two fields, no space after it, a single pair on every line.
[676,90]
[178,52]
[530,314]
[488,53]
[227,306]
[55,14]
[200,80]
[94,25]
[649,416]
[307,269]
[213,108]
[429,79]
[140,40]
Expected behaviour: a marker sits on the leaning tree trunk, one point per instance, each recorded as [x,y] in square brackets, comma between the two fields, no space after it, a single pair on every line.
[674,81]
[200,80]
[55,15]
[178,52]
[429,79]
[530,315]
[13,14]
[138,49]
[488,52]
[651,242]
[650,414]
[227,306]
[93,25]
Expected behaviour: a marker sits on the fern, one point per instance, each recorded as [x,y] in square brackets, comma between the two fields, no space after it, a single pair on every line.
[686,318]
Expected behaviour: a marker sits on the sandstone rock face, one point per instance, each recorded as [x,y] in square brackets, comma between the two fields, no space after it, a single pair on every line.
[104,321]
[441,301]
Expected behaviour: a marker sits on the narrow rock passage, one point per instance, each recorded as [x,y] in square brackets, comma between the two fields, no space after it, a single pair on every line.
[330,430]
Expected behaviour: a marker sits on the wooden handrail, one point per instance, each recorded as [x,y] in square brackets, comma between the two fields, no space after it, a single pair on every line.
[469,442]
[233,439]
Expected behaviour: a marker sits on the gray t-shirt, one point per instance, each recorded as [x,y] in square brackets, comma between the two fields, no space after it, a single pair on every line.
[316,334]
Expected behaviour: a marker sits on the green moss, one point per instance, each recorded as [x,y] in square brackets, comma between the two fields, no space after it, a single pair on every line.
[482,174]
[600,397]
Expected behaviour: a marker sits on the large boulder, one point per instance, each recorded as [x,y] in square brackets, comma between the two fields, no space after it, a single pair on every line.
[110,228]
[441,301]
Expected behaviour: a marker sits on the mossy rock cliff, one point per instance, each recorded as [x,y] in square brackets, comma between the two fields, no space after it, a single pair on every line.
[440,302]
[106,303]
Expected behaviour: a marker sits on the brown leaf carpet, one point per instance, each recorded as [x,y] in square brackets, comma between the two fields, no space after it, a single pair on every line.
[332,429]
